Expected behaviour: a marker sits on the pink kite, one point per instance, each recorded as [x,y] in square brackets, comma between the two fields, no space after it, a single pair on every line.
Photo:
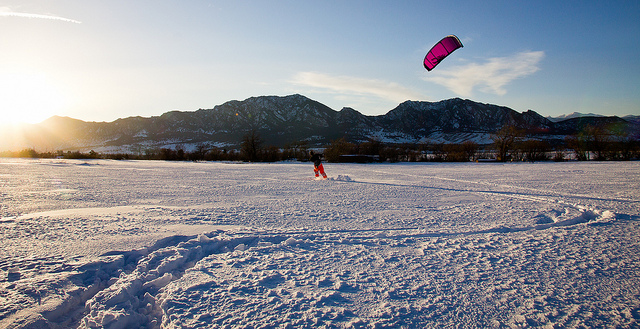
[441,50]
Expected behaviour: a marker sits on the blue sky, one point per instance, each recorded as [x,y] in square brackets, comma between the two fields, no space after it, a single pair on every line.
[102,60]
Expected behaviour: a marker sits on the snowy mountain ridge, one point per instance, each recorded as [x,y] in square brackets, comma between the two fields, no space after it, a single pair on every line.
[573,115]
[282,120]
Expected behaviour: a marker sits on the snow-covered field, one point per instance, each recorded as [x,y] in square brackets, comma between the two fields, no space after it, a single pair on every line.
[142,244]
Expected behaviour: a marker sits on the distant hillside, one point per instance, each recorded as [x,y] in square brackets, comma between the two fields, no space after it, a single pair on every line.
[289,119]
[573,115]
[632,118]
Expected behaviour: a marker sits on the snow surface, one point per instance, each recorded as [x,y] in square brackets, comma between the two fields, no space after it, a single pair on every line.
[142,244]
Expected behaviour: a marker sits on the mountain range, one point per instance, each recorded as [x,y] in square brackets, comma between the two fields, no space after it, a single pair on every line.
[580,115]
[281,120]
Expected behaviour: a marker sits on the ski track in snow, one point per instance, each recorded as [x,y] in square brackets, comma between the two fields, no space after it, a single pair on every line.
[119,244]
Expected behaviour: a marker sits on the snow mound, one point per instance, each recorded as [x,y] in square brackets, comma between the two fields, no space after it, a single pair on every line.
[344,178]
[131,301]
[600,217]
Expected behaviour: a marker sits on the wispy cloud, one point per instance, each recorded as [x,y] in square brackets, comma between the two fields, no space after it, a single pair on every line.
[490,77]
[346,85]
[5,11]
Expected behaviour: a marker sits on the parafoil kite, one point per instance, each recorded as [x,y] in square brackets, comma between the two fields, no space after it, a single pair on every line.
[441,50]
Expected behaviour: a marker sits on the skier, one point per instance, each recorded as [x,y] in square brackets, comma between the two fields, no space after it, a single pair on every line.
[318,169]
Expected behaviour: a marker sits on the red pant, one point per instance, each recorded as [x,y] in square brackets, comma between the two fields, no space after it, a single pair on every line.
[319,169]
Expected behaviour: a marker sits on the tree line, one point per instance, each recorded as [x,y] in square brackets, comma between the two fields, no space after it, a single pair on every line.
[508,144]
[591,143]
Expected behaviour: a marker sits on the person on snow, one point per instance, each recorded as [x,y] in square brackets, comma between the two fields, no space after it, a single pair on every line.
[318,169]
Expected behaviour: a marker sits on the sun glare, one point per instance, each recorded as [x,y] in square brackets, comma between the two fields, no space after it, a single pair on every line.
[28,98]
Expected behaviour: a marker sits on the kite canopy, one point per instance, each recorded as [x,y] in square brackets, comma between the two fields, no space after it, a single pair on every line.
[441,50]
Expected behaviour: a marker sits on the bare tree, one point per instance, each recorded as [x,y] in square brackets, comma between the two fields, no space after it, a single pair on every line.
[591,139]
[337,148]
[535,150]
[504,139]
[250,147]
[470,148]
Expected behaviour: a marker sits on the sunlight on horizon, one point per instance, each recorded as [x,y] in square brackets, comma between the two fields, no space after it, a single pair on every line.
[28,98]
